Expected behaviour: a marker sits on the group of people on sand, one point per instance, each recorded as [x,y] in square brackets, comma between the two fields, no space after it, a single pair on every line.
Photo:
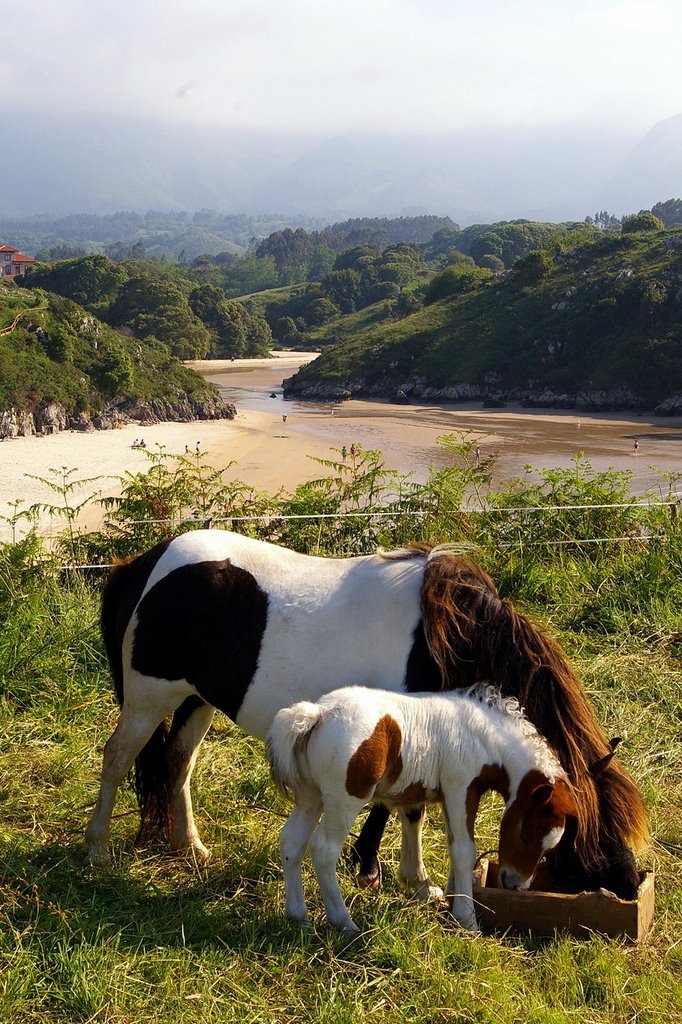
[141,443]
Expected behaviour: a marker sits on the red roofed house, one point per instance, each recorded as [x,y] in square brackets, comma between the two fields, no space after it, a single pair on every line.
[12,262]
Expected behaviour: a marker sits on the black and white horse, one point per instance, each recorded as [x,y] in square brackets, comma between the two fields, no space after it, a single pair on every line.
[212,620]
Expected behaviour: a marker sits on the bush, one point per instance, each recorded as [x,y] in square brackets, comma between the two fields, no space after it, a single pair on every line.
[643,221]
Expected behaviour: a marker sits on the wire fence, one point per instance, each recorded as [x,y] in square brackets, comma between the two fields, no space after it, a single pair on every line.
[672,504]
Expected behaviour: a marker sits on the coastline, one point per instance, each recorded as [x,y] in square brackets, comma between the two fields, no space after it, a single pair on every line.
[269,453]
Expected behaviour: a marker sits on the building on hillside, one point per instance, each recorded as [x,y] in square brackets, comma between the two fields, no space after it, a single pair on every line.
[13,263]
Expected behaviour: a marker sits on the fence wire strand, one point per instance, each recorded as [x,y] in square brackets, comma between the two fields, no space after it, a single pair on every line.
[672,503]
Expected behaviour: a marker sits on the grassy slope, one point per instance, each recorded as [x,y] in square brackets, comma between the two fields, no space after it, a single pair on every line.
[28,375]
[605,335]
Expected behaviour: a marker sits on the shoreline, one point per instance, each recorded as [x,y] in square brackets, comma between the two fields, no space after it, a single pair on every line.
[270,453]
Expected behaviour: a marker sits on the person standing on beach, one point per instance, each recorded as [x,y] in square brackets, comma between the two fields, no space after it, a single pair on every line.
[635,447]
[478,456]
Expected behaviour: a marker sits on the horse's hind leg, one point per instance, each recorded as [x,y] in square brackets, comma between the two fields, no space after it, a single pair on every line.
[137,722]
[191,722]
[412,872]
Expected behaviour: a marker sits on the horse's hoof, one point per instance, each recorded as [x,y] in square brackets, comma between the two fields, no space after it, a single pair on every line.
[301,920]
[426,890]
[193,851]
[372,880]
[97,859]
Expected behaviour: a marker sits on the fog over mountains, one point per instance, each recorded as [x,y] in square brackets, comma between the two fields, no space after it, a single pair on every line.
[57,165]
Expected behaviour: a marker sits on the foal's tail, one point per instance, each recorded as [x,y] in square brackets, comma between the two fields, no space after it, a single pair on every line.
[286,743]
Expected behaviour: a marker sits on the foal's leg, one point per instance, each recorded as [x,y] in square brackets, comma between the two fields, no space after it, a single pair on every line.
[293,842]
[462,861]
[183,745]
[140,715]
[412,872]
[325,848]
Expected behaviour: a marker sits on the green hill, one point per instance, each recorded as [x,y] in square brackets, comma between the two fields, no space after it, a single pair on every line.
[599,326]
[60,366]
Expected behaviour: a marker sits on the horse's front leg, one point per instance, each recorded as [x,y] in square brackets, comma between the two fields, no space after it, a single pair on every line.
[191,722]
[462,862]
[412,872]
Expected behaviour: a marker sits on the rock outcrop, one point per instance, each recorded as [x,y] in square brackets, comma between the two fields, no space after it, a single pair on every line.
[490,393]
[51,417]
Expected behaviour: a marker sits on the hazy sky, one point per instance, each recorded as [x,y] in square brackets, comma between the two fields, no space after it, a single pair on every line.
[340,65]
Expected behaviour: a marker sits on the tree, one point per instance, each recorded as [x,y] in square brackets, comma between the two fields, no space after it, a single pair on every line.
[234,331]
[342,288]
[117,371]
[642,221]
[491,262]
[454,281]
[670,212]
[89,280]
[536,265]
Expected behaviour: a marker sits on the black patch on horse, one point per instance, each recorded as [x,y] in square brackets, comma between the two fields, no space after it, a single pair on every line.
[203,623]
[422,672]
[121,593]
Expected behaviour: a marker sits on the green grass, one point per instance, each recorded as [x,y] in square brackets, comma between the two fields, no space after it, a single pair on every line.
[161,937]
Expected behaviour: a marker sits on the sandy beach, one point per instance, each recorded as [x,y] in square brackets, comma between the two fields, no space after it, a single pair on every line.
[268,452]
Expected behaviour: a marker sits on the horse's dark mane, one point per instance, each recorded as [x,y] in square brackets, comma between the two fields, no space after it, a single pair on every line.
[475,635]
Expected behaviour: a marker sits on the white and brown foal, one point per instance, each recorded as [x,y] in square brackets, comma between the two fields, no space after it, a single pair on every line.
[358,745]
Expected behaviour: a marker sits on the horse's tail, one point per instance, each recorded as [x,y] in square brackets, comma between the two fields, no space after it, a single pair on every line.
[286,743]
[120,597]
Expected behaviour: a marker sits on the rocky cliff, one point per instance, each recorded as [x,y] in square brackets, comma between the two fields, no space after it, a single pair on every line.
[51,417]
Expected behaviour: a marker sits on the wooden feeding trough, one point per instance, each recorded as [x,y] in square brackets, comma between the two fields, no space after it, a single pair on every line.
[543,913]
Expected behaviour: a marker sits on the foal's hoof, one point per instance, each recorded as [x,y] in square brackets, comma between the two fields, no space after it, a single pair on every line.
[347,927]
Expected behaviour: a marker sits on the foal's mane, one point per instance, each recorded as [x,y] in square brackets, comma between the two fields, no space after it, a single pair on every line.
[476,636]
[509,708]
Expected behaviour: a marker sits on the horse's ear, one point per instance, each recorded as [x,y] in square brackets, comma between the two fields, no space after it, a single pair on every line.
[598,766]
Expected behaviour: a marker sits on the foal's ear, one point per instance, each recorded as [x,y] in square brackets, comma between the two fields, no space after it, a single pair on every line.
[598,767]
[542,794]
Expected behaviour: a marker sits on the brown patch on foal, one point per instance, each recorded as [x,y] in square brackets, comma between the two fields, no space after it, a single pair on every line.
[492,776]
[377,757]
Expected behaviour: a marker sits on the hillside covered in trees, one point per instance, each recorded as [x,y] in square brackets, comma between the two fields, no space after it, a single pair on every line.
[574,314]
[597,325]
[62,367]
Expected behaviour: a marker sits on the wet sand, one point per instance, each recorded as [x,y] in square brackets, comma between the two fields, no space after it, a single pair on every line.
[523,440]
[269,454]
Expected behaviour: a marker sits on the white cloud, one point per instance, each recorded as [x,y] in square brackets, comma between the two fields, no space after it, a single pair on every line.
[348,64]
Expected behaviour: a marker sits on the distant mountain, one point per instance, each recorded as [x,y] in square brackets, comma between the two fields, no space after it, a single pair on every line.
[652,171]
[102,165]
